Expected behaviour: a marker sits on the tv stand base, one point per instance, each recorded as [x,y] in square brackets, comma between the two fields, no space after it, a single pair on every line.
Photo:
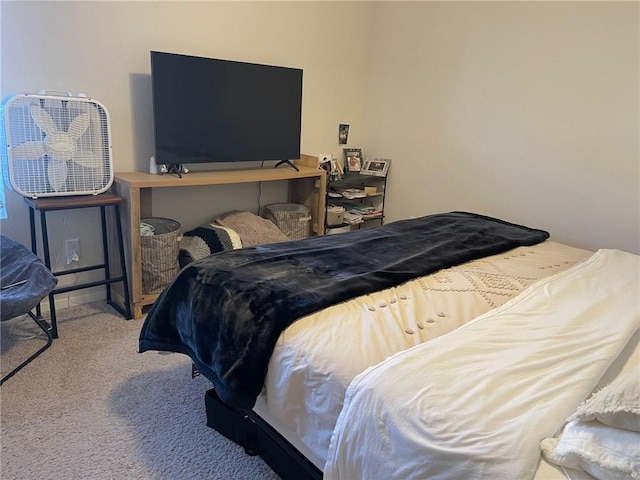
[287,162]
[174,169]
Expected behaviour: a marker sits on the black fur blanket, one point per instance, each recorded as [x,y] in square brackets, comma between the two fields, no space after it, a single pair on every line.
[227,310]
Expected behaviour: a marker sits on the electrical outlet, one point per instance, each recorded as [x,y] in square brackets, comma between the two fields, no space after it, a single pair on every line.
[73,250]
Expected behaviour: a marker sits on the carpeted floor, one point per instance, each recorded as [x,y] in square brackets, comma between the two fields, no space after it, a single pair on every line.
[91,407]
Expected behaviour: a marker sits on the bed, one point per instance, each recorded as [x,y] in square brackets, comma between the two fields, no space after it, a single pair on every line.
[377,353]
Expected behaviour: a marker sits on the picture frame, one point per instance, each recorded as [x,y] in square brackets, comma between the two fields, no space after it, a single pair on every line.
[378,167]
[343,133]
[336,167]
[336,172]
[353,159]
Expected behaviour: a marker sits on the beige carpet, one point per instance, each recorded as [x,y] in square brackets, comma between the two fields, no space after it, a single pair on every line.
[91,407]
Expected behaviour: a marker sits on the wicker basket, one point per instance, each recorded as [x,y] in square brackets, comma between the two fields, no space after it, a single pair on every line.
[291,218]
[160,249]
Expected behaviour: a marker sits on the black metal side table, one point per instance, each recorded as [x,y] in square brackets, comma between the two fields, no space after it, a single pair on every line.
[102,201]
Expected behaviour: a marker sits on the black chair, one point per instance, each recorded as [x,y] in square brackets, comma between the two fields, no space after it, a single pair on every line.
[24,282]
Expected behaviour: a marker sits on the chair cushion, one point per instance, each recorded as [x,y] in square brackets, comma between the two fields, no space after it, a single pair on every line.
[24,279]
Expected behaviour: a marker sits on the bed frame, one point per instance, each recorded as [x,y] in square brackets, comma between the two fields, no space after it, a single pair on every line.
[257,437]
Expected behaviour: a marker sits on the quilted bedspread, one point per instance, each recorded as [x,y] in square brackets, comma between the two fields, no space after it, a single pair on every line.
[226,311]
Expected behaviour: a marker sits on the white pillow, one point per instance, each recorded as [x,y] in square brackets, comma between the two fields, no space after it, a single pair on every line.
[617,404]
[605,452]
[602,437]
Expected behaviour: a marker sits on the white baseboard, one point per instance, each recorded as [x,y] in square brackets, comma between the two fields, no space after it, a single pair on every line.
[72,299]
[82,296]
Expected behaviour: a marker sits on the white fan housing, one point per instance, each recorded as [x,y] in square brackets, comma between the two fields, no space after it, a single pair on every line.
[56,145]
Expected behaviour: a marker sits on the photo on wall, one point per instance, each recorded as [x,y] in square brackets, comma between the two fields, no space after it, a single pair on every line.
[343,133]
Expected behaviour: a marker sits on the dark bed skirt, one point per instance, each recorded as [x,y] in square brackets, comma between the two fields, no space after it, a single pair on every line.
[257,437]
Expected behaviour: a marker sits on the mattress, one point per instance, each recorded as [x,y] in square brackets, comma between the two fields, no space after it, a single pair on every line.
[226,311]
[317,357]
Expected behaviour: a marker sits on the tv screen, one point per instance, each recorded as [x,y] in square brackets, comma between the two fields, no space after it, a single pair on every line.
[208,110]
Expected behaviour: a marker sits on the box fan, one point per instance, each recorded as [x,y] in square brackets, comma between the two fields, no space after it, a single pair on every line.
[56,145]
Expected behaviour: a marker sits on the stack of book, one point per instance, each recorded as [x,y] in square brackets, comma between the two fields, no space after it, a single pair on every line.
[352,193]
[364,211]
[352,218]
[349,193]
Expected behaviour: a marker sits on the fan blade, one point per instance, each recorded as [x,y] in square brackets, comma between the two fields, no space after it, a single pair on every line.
[87,158]
[42,119]
[28,151]
[79,125]
[57,174]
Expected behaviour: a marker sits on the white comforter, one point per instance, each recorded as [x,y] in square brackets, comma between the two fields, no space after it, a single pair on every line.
[475,403]
[318,356]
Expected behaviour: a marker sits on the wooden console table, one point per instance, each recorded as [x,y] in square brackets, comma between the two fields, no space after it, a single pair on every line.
[307,186]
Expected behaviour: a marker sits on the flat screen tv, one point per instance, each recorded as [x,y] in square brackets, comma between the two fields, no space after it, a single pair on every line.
[208,110]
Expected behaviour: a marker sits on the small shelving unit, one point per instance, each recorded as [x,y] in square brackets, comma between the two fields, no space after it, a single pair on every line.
[358,194]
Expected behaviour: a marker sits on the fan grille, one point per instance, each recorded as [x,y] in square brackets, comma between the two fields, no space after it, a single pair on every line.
[57,145]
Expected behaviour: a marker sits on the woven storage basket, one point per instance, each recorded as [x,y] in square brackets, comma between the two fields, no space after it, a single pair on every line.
[160,251]
[291,218]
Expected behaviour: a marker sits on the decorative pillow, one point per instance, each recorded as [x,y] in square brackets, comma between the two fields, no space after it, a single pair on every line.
[206,240]
[605,452]
[617,404]
[602,437]
[252,229]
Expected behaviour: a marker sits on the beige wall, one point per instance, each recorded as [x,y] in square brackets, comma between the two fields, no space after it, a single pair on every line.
[523,110]
[102,49]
